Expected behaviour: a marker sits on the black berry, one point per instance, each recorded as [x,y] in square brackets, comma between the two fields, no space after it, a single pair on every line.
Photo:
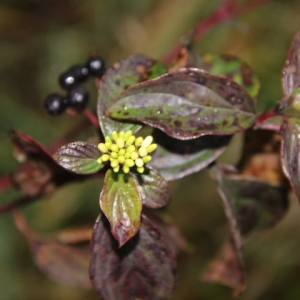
[73,76]
[78,97]
[55,104]
[96,66]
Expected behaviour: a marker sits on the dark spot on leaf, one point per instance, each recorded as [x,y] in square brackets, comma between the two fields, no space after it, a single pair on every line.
[234,99]
[178,123]
[117,82]
[225,123]
[201,80]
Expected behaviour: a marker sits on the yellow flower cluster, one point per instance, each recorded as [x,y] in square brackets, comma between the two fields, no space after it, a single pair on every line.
[124,150]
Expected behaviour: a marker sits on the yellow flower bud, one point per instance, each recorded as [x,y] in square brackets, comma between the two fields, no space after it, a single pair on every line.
[108,139]
[129,162]
[141,170]
[139,162]
[130,149]
[114,135]
[127,134]
[138,141]
[146,158]
[105,157]
[147,141]
[120,142]
[127,155]
[151,148]
[114,155]
[116,169]
[122,152]
[130,140]
[121,159]
[114,163]
[108,144]
[121,134]
[134,155]
[99,160]
[143,152]
[114,148]
[126,169]
[102,148]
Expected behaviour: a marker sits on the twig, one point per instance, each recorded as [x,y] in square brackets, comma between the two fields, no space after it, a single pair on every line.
[225,11]
[91,117]
[22,200]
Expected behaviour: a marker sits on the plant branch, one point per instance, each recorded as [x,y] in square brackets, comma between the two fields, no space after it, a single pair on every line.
[91,117]
[227,10]
[22,200]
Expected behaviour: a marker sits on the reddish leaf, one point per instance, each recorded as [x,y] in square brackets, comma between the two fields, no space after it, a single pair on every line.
[118,77]
[65,260]
[186,104]
[121,202]
[79,157]
[26,147]
[291,69]
[175,159]
[144,268]
[290,152]
[154,190]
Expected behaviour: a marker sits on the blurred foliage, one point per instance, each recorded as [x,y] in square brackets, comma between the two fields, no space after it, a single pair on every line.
[41,39]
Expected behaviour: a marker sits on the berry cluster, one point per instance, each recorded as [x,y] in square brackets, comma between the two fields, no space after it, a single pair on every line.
[126,151]
[77,96]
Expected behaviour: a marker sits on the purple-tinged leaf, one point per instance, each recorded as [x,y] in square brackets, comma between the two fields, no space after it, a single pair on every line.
[290,152]
[118,77]
[253,203]
[291,69]
[144,268]
[227,269]
[169,230]
[153,188]
[121,203]
[79,157]
[187,104]
[65,258]
[176,159]
[25,147]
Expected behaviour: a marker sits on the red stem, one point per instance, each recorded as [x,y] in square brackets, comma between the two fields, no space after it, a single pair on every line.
[265,116]
[17,203]
[225,11]
[91,117]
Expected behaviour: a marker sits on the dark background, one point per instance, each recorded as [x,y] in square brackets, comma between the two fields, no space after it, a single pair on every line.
[41,39]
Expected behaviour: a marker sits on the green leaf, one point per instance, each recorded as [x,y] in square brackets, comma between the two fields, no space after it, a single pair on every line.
[176,159]
[291,69]
[234,68]
[187,104]
[254,203]
[117,78]
[144,268]
[153,188]
[121,202]
[79,157]
[290,152]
